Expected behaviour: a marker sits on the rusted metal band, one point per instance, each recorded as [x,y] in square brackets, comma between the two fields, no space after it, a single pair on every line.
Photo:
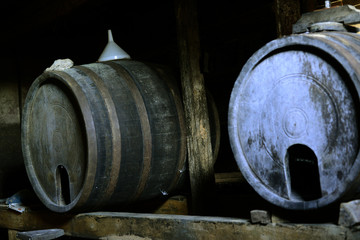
[145,127]
[115,131]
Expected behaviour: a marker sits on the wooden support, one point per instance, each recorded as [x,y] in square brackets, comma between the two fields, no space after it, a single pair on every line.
[229,177]
[287,12]
[200,155]
[158,226]
[174,205]
[12,234]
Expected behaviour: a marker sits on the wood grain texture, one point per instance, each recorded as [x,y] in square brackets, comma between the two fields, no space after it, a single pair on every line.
[196,113]
[126,123]
[286,13]
[156,226]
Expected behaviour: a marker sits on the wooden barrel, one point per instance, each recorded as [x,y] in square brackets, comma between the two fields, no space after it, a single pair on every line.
[294,120]
[103,134]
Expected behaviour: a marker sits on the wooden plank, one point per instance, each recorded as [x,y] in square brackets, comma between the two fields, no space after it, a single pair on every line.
[229,177]
[12,234]
[155,226]
[32,220]
[174,205]
[44,234]
[200,155]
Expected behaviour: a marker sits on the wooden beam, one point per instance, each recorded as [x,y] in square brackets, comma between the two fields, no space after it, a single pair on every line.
[287,12]
[200,155]
[155,226]
[229,177]
[12,234]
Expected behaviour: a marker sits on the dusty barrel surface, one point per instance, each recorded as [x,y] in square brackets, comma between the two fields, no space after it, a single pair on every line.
[102,134]
[294,120]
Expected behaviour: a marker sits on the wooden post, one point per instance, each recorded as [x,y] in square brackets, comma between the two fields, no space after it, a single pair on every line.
[12,234]
[200,156]
[287,12]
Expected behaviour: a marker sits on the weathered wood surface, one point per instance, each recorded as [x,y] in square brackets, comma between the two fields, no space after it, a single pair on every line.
[175,205]
[12,234]
[11,162]
[229,177]
[200,155]
[130,117]
[286,14]
[155,226]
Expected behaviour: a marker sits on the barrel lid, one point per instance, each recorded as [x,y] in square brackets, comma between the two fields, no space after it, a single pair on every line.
[54,143]
[293,123]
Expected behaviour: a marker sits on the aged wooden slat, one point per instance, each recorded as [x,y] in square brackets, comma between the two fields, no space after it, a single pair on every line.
[229,177]
[200,155]
[12,170]
[175,205]
[156,226]
[12,234]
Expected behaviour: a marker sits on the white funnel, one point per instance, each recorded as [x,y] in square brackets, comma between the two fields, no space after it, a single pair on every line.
[112,51]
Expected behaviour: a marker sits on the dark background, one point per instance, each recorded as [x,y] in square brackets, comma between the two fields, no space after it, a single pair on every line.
[35,33]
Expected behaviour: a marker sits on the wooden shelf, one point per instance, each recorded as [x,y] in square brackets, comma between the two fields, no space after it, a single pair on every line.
[96,225]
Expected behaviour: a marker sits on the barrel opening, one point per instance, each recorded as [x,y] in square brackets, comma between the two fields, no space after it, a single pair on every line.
[303,172]
[63,185]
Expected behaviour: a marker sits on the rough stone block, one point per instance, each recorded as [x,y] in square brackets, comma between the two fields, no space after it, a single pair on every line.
[349,215]
[260,216]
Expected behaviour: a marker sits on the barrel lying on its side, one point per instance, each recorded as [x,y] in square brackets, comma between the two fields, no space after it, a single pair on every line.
[294,119]
[102,134]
